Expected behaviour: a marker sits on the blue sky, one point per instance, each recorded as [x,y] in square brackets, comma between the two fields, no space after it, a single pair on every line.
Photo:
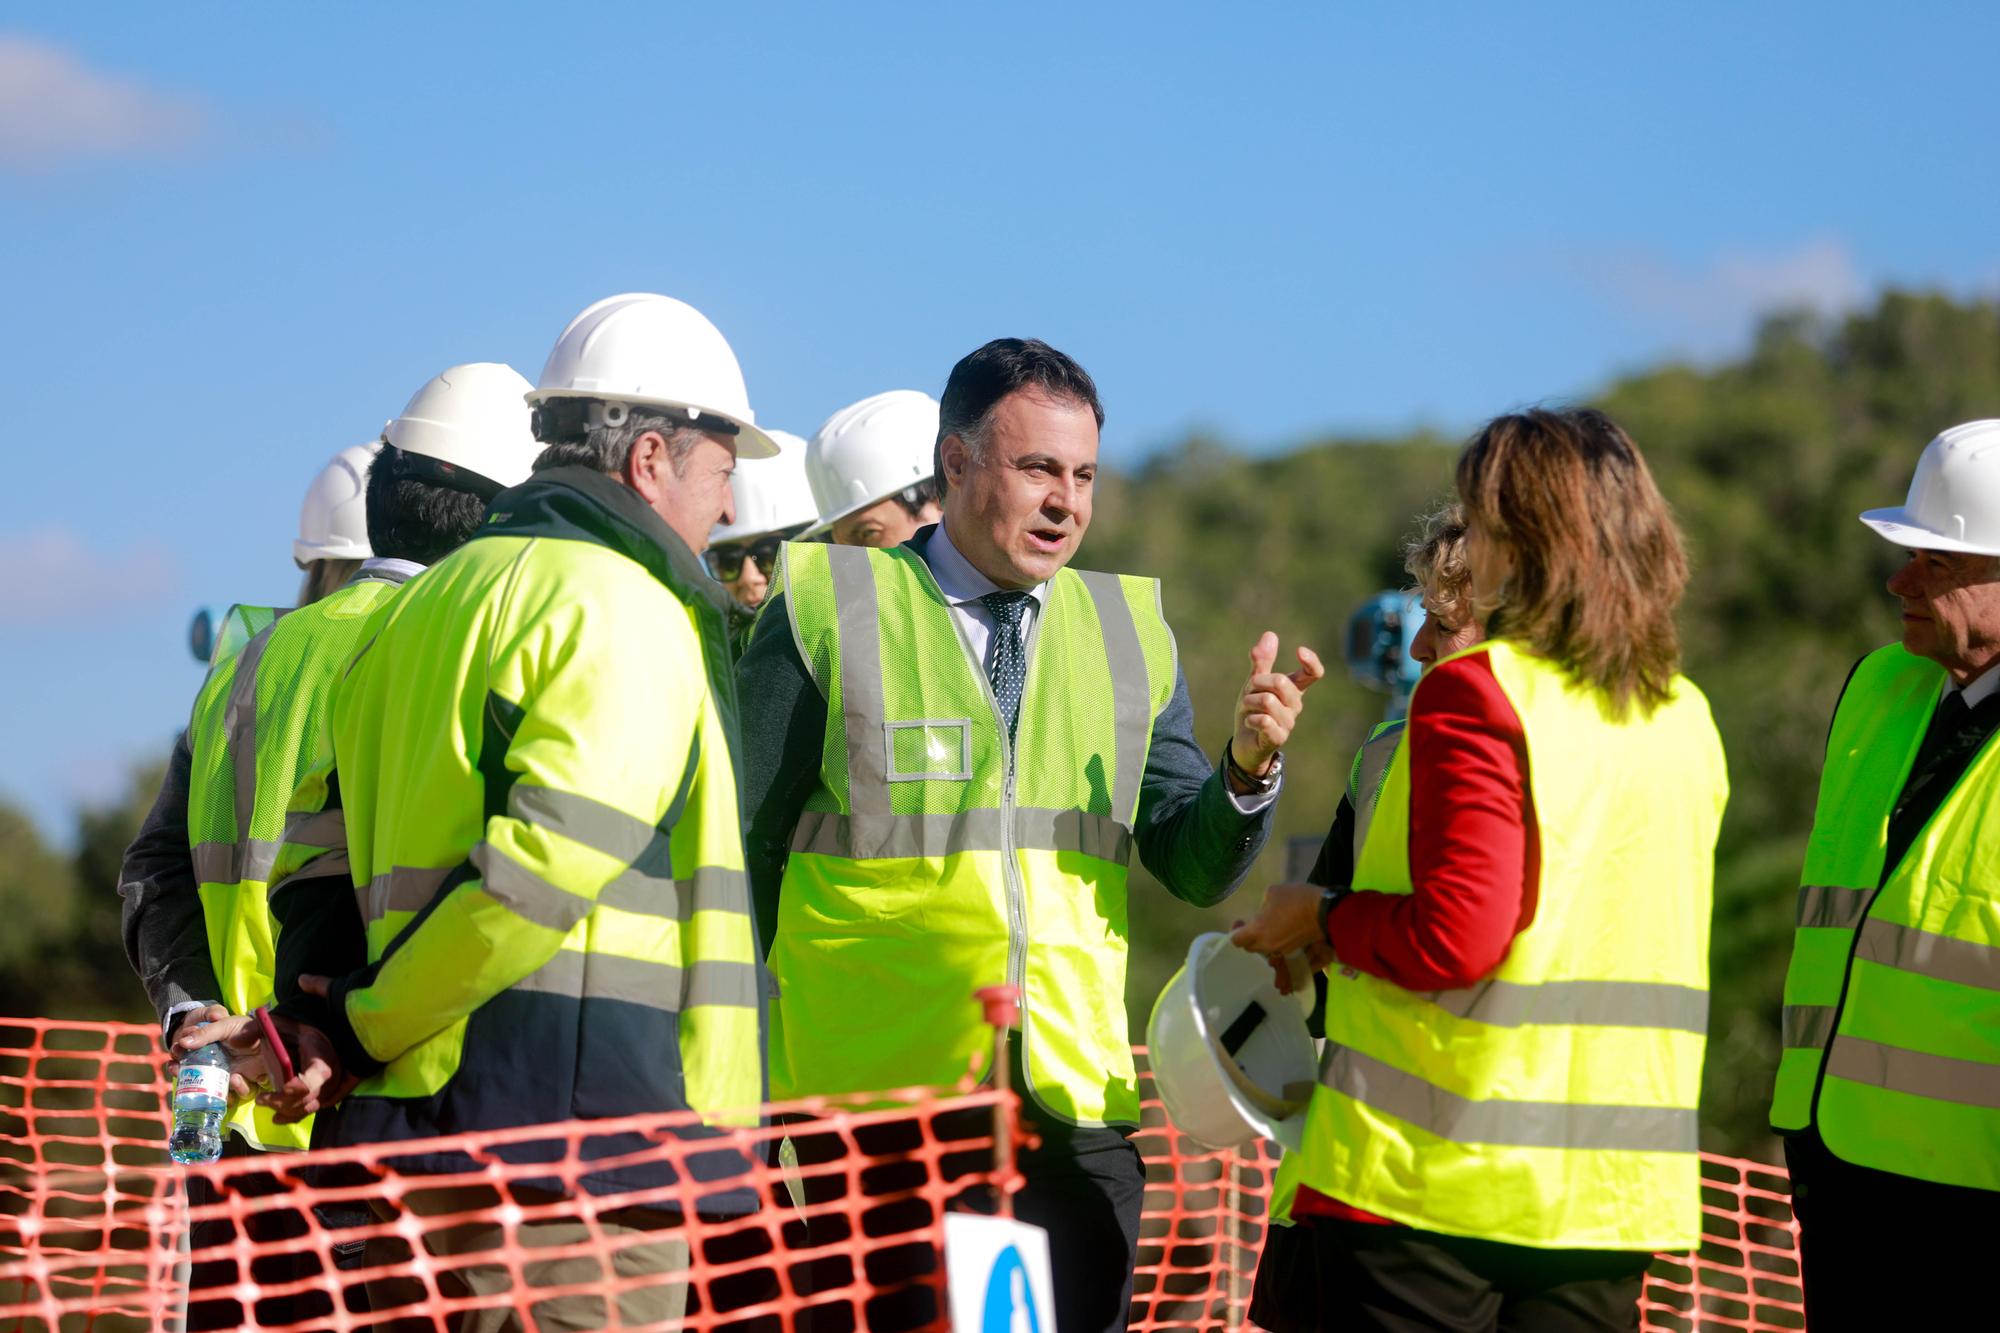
[239,237]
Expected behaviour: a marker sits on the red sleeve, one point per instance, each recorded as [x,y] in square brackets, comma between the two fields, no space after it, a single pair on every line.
[1474,856]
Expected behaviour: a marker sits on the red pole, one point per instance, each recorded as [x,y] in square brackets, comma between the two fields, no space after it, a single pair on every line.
[1002,1006]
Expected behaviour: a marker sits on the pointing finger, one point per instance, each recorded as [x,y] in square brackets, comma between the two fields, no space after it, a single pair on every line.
[1263,653]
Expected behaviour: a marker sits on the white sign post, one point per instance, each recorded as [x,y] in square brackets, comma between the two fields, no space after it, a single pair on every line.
[998,1273]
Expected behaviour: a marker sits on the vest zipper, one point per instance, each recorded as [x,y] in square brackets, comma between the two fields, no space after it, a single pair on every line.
[1017,894]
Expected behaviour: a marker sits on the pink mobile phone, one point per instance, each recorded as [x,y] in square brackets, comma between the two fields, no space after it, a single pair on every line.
[277,1060]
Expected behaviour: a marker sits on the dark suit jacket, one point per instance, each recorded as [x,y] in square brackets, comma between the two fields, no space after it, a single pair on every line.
[1190,834]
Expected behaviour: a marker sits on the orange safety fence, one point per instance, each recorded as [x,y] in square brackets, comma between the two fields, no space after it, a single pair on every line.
[100,1230]
[842,1233]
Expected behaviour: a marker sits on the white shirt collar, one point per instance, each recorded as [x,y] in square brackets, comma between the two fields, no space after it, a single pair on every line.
[1981,689]
[956,576]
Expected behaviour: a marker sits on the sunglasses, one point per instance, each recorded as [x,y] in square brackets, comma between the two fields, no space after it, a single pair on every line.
[726,562]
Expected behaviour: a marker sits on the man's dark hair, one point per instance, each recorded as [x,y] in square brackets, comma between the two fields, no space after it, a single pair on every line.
[1006,365]
[411,516]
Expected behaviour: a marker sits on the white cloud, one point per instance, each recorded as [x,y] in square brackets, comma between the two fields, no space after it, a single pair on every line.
[56,111]
[1721,299]
[52,575]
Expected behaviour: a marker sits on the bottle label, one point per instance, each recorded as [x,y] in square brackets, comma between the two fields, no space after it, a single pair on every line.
[202,1081]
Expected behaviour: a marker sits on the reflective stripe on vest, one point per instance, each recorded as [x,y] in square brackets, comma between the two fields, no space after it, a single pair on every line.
[1891,1024]
[935,858]
[1553,1104]
[256,726]
[1365,778]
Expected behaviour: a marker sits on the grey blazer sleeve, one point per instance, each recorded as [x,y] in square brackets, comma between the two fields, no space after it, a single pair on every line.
[1190,834]
[166,936]
[783,723]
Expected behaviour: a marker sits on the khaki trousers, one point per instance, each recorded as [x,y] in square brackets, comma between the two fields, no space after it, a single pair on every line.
[659,1305]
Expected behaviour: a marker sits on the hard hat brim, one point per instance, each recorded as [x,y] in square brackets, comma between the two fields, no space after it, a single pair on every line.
[1899,527]
[750,442]
[825,522]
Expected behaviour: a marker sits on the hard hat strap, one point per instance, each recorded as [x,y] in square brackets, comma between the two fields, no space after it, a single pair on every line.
[560,419]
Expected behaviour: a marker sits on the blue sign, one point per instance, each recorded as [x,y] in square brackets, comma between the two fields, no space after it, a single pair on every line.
[1008,1293]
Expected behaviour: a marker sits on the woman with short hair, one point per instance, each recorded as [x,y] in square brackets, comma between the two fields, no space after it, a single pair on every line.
[1504,1130]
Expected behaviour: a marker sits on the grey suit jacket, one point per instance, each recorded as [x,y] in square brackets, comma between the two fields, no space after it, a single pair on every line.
[1190,834]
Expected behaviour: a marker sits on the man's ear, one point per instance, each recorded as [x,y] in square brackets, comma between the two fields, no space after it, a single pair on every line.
[952,458]
[647,467]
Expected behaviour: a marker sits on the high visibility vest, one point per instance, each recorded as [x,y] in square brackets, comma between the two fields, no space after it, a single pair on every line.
[534,772]
[936,857]
[1554,1103]
[1892,1001]
[256,723]
[1364,787]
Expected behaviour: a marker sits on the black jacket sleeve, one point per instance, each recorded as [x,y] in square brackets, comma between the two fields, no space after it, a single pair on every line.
[1190,834]
[166,936]
[783,721]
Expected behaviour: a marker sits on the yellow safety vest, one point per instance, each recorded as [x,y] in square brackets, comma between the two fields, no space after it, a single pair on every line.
[1554,1103]
[1892,1002]
[534,768]
[1364,788]
[255,725]
[936,857]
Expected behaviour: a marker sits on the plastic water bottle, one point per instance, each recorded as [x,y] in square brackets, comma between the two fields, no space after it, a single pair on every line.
[201,1095]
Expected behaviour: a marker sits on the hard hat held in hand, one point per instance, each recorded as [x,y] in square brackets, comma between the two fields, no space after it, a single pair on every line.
[1231,1055]
[644,350]
[473,418]
[868,451]
[1954,500]
[771,493]
[333,522]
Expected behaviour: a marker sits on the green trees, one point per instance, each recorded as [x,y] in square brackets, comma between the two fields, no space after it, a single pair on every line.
[60,951]
[1767,460]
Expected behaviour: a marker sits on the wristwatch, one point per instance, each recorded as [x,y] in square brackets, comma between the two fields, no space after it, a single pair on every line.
[1257,786]
[1329,900]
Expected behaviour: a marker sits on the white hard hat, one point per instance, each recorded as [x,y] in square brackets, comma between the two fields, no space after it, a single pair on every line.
[333,522]
[644,350]
[1954,500]
[1232,1057]
[870,450]
[475,418]
[771,493]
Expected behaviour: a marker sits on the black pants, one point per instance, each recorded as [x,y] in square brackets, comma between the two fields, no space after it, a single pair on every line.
[1088,1199]
[1362,1275]
[1872,1241]
[1085,1187]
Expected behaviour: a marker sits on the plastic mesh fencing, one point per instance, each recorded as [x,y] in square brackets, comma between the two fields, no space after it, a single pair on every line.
[829,1210]
[843,1229]
[1204,1227]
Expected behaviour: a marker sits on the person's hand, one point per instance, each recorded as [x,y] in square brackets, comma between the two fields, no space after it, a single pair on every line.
[1270,705]
[1287,924]
[318,1081]
[238,1032]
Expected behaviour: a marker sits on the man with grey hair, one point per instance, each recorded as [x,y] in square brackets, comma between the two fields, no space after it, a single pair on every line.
[535,750]
[958,745]
[1888,1089]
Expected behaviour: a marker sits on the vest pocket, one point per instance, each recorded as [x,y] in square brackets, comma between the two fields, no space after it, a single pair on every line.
[929,750]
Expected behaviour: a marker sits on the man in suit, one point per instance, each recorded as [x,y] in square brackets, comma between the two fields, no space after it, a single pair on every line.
[956,747]
[1888,1090]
